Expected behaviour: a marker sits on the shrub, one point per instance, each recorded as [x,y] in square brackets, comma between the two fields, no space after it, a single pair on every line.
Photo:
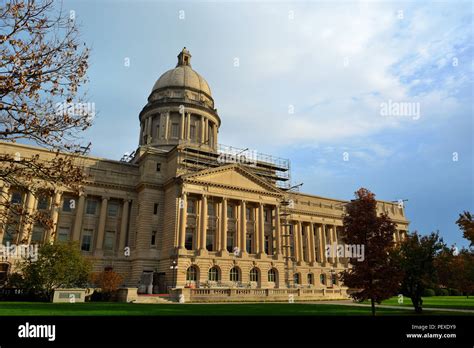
[441,292]
[454,292]
[108,281]
[428,293]
[59,265]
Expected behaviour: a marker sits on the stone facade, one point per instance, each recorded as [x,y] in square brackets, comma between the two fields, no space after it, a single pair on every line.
[187,218]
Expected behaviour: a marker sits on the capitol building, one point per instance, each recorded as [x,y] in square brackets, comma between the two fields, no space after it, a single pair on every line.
[185,212]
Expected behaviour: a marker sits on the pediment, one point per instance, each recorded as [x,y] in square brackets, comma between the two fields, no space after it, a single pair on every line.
[232,176]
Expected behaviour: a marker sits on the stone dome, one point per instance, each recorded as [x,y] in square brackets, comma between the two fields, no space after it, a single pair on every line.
[183,76]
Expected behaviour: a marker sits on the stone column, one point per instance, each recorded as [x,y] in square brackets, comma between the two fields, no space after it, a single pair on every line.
[311,254]
[4,198]
[188,125]
[79,216]
[397,233]
[319,256]
[123,226]
[206,131]
[277,231]
[336,241]
[55,206]
[102,220]
[148,130]
[243,226]
[203,134]
[182,134]
[323,243]
[261,228]
[296,238]
[28,224]
[300,241]
[183,208]
[223,225]
[217,224]
[331,243]
[202,246]
[161,134]
[167,121]
[215,136]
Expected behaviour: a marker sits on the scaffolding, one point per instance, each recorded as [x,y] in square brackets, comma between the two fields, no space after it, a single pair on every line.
[274,170]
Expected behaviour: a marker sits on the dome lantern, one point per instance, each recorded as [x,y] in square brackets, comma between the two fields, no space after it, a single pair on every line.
[184,58]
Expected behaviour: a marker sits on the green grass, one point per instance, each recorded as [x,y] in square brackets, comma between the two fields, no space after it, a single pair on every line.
[456,302]
[126,309]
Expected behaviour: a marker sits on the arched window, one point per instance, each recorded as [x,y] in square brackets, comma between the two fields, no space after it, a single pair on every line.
[191,273]
[297,278]
[310,279]
[322,279]
[272,275]
[254,275]
[234,274]
[213,274]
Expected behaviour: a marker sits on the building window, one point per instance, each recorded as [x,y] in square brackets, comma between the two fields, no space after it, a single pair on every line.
[296,278]
[175,130]
[322,279]
[155,209]
[158,167]
[211,209]
[310,278]
[248,214]
[267,245]
[254,275]
[210,237]
[266,215]
[191,274]
[211,135]
[334,279]
[91,207]
[249,243]
[272,275]
[109,242]
[63,234]
[230,241]
[234,274]
[213,274]
[230,211]
[192,132]
[68,204]
[188,244]
[86,244]
[16,197]
[153,238]
[9,234]
[43,203]
[37,235]
[112,209]
[191,208]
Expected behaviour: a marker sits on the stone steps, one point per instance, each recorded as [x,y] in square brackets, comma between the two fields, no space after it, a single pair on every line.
[152,299]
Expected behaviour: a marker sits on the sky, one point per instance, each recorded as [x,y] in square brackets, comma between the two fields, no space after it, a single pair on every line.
[356,94]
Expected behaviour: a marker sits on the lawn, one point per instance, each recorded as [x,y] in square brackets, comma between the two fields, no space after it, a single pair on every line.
[126,309]
[457,302]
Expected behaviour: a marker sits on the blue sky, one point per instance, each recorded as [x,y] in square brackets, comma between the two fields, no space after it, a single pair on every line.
[333,63]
